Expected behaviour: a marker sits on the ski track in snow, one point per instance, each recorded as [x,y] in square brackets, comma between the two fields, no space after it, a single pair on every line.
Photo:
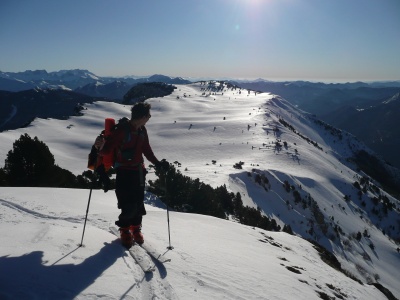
[37,214]
[151,286]
[154,285]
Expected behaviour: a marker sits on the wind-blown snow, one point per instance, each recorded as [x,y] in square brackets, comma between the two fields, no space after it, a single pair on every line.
[207,133]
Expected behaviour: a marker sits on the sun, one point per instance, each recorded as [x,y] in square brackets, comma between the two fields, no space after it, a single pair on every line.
[255,2]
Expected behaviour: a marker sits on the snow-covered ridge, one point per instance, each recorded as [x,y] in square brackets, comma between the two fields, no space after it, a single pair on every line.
[394,98]
[12,114]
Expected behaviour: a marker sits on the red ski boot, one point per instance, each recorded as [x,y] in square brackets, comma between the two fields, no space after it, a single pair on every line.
[126,237]
[137,234]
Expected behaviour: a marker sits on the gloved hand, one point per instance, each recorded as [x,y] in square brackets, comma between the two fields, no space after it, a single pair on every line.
[104,180]
[162,166]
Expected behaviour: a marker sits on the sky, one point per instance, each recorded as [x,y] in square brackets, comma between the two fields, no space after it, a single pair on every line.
[323,40]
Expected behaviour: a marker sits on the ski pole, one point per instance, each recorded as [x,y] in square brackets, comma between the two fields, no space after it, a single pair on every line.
[87,209]
[169,232]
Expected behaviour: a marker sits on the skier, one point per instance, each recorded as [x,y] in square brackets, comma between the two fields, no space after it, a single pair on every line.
[128,143]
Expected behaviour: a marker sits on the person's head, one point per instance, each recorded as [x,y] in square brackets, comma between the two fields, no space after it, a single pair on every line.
[140,110]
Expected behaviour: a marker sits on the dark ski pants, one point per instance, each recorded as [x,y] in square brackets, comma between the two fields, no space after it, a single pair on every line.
[130,195]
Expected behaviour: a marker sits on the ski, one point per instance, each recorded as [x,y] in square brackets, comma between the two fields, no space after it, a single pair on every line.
[138,254]
[154,253]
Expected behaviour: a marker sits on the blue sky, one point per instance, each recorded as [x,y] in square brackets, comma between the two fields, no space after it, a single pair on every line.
[327,40]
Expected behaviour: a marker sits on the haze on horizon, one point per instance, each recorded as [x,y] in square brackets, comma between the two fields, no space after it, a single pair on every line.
[314,40]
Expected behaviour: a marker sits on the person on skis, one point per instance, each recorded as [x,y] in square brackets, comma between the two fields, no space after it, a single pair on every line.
[128,143]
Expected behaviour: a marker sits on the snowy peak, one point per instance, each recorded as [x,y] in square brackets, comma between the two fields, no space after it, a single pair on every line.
[68,75]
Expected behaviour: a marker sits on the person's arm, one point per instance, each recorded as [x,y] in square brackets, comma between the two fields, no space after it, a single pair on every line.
[147,151]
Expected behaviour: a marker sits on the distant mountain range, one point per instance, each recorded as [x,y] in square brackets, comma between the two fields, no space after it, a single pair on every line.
[321,98]
[19,109]
[86,82]
[80,81]
[378,126]
[40,94]
[64,79]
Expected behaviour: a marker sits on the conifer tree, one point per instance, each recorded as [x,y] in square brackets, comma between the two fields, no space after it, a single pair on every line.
[28,162]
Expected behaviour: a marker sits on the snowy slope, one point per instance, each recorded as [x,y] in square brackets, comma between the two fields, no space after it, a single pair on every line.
[199,124]
[212,258]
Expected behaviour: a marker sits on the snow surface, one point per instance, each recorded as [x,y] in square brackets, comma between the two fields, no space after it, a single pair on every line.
[212,258]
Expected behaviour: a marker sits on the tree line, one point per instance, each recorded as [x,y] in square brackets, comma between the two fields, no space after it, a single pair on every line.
[185,194]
